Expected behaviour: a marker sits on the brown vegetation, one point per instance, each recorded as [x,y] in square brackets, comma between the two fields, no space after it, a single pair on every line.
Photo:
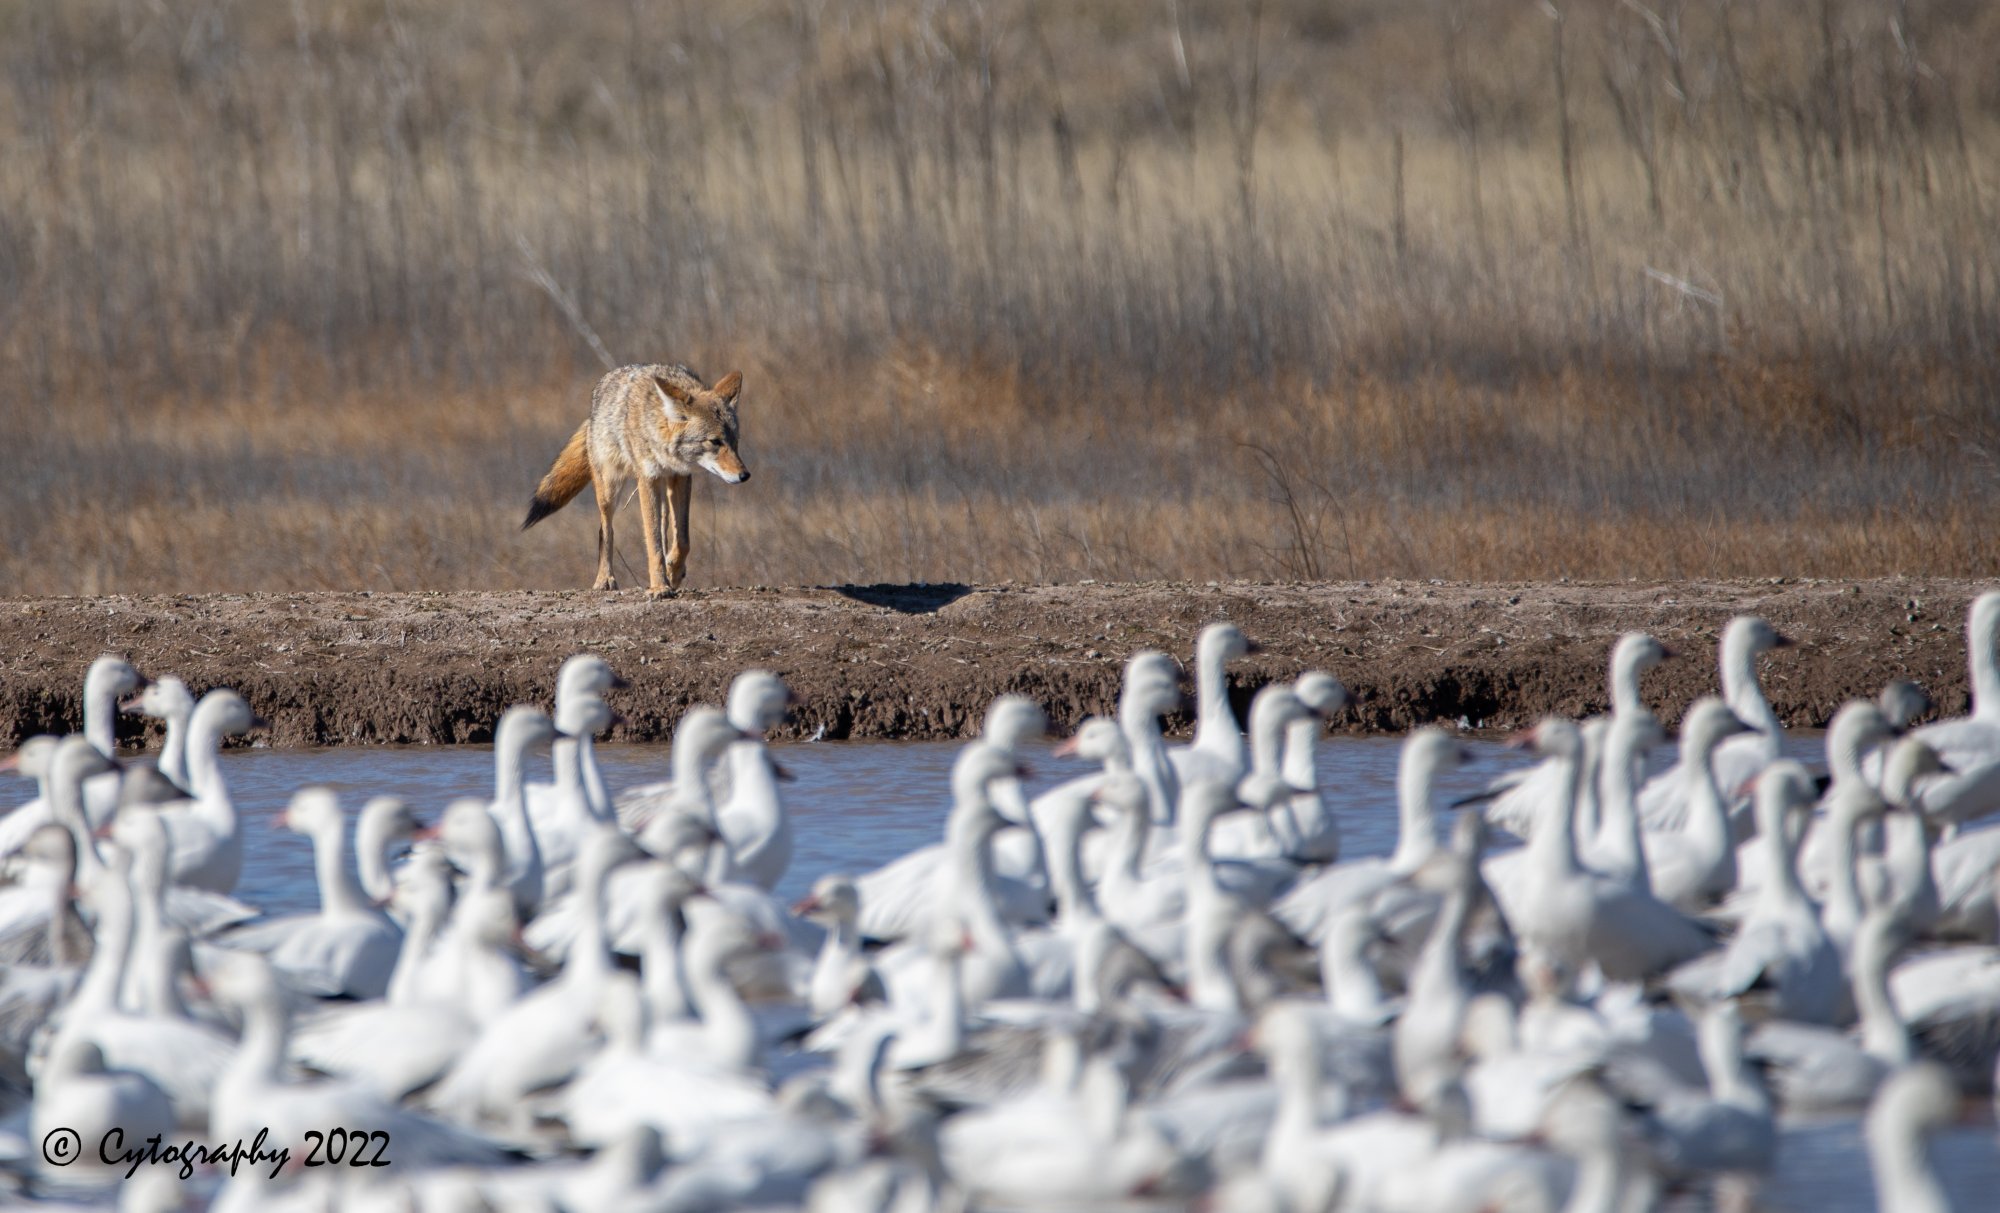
[307,296]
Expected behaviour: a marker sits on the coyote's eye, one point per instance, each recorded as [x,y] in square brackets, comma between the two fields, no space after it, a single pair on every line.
[715,444]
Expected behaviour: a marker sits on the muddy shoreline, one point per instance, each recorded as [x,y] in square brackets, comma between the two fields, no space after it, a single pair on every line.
[922,661]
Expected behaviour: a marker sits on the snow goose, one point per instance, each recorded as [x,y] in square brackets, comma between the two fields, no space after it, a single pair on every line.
[39,924]
[840,969]
[1516,808]
[752,815]
[582,674]
[117,1109]
[1426,1039]
[349,948]
[1313,825]
[1152,689]
[31,991]
[1973,740]
[183,1058]
[1217,749]
[1692,867]
[1781,952]
[108,679]
[204,835]
[522,729]
[168,701]
[1271,834]
[1617,849]
[253,1096]
[1912,1104]
[1577,917]
[543,1038]
[1310,906]
[385,823]
[562,819]
[1950,998]
[401,1045]
[1663,801]
[1817,1070]
[1725,1132]
[897,896]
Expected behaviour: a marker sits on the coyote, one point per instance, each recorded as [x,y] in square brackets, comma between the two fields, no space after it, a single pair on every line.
[657,423]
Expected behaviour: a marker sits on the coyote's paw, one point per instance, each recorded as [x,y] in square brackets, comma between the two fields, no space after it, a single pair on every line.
[661,591]
[604,583]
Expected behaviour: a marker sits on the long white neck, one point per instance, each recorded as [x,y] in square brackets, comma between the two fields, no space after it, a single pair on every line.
[1982,644]
[371,860]
[1619,851]
[1781,888]
[517,831]
[173,750]
[260,1054]
[1267,742]
[1905,1181]
[572,790]
[1416,821]
[1298,1117]
[65,799]
[338,892]
[1841,915]
[1149,760]
[833,969]
[1301,742]
[1075,908]
[1625,700]
[967,837]
[1215,730]
[1745,695]
[1906,853]
[100,716]
[753,793]
[204,763]
[1211,986]
[420,935]
[148,883]
[1552,850]
[589,958]
[727,1029]
[660,968]
[1883,1033]
[1707,824]
[597,794]
[102,979]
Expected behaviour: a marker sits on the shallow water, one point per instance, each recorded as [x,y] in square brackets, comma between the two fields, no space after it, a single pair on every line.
[860,804]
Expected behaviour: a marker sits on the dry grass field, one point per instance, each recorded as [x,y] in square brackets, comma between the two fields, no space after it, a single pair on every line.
[307,295]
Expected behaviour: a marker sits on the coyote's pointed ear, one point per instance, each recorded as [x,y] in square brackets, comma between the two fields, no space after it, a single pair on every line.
[727,386]
[672,394]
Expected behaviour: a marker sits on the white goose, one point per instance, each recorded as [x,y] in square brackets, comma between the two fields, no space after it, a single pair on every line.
[349,948]
[1781,951]
[1217,749]
[1663,801]
[1913,1103]
[1313,824]
[1694,866]
[254,1095]
[108,679]
[522,729]
[1819,1070]
[563,818]
[1518,807]
[168,700]
[752,817]
[76,1092]
[1973,741]
[1577,917]
[204,835]
[585,674]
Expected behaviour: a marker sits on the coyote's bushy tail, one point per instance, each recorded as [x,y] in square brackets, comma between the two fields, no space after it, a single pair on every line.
[565,479]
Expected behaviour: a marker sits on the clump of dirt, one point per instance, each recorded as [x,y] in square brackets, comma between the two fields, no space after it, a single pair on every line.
[923,661]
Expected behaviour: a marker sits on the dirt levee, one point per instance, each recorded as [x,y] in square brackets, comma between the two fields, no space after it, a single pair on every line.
[923,661]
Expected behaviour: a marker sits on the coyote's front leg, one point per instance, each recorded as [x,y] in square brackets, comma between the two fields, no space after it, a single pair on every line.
[607,504]
[650,491]
[679,499]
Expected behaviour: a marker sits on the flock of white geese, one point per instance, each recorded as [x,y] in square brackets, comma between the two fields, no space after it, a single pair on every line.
[1159,983]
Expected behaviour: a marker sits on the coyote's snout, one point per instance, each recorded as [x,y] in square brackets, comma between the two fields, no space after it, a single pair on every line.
[659,424]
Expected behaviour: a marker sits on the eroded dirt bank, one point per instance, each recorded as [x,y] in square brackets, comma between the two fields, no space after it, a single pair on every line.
[922,661]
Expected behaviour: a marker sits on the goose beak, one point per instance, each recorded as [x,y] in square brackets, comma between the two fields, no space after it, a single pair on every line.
[11,762]
[1522,740]
[258,724]
[132,706]
[104,831]
[619,682]
[770,941]
[1065,748]
[782,773]
[427,833]
[1667,654]
[1784,642]
[1251,646]
[1021,771]
[808,904]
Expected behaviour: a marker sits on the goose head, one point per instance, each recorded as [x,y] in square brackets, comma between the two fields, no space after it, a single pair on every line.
[1014,720]
[1223,642]
[1202,801]
[1633,655]
[1707,724]
[312,812]
[1553,737]
[980,765]
[1783,789]
[52,847]
[1096,739]
[423,887]
[1749,635]
[704,733]
[522,728]
[144,785]
[110,677]
[74,761]
[1856,728]
[586,674]
[244,982]
[1150,665]
[1914,1102]
[834,901]
[161,699]
[1323,694]
[1275,706]
[583,715]
[470,836]
[1286,1035]
[1910,761]
[1630,735]
[1901,702]
[31,760]
[1428,751]
[387,819]
[679,836]
[759,701]
[1122,793]
[1153,693]
[227,714]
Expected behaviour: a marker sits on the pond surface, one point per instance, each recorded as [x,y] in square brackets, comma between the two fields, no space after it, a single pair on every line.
[860,804]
